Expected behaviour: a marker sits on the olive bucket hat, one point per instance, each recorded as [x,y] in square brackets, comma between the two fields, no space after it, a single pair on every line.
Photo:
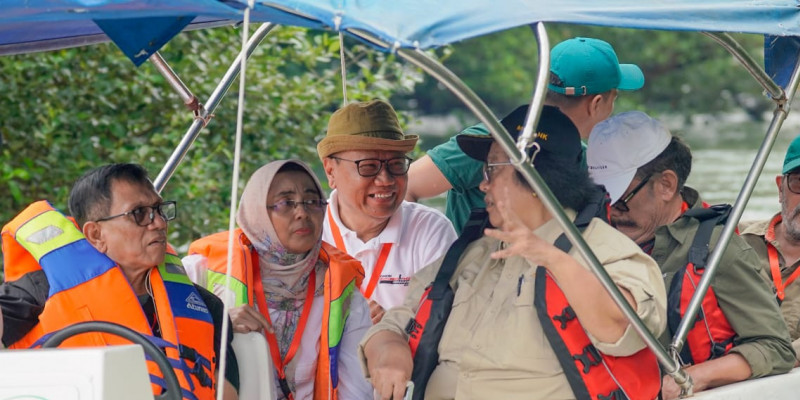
[371,125]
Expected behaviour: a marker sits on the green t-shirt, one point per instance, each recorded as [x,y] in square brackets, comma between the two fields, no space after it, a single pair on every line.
[465,175]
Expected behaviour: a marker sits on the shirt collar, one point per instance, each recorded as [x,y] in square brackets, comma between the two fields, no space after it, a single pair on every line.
[391,233]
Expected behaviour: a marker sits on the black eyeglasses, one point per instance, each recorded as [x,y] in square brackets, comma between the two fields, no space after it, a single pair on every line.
[287,207]
[369,167]
[488,169]
[145,215]
[793,181]
[622,204]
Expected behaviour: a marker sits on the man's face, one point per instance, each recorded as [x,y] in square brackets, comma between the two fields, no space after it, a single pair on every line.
[134,248]
[643,213]
[790,203]
[375,198]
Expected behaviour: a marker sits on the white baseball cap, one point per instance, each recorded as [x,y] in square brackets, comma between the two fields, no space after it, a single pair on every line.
[620,145]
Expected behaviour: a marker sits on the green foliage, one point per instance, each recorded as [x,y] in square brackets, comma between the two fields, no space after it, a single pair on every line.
[64,112]
[686,72]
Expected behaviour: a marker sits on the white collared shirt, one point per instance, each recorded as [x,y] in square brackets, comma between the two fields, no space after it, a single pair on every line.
[419,235]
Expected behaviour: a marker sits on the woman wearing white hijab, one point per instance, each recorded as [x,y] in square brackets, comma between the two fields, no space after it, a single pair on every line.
[279,264]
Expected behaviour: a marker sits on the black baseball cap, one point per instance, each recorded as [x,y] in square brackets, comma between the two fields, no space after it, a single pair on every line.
[556,136]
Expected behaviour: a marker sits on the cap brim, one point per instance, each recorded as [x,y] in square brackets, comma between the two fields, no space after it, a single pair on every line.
[475,146]
[335,144]
[616,185]
[791,165]
[631,77]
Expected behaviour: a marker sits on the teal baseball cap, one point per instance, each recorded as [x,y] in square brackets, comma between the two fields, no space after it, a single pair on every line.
[590,66]
[792,159]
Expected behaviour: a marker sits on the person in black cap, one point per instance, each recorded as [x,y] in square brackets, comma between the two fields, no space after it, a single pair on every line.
[525,310]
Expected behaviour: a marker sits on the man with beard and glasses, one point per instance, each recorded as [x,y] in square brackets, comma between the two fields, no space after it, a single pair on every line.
[777,243]
[740,334]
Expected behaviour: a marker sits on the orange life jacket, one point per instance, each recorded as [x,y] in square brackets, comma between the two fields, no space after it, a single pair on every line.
[591,374]
[85,285]
[343,276]
[711,336]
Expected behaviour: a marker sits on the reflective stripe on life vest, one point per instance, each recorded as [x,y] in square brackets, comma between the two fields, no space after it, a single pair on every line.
[85,285]
[215,249]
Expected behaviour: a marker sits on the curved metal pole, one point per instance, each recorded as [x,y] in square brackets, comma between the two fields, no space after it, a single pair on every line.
[172,78]
[457,87]
[540,89]
[781,111]
[213,100]
[173,391]
[754,68]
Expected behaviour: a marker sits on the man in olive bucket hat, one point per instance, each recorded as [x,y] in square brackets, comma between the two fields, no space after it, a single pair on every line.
[364,155]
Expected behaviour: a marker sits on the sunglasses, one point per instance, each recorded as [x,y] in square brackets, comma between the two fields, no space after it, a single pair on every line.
[622,204]
[369,167]
[145,215]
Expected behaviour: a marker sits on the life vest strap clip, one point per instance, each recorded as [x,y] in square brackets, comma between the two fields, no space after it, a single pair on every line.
[413,327]
[589,357]
[718,349]
[617,394]
[566,315]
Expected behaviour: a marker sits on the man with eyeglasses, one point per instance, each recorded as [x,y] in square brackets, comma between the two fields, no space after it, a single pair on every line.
[740,334]
[111,264]
[777,243]
[365,161]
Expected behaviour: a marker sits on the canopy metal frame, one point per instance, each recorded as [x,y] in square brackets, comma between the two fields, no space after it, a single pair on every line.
[783,100]
[516,151]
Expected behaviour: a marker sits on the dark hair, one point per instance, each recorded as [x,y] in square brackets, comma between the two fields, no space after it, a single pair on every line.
[90,197]
[676,157]
[569,182]
[561,100]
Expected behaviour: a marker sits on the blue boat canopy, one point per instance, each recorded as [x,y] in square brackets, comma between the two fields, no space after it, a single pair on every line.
[141,27]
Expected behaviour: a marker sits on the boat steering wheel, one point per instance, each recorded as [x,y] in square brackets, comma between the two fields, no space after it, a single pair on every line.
[173,391]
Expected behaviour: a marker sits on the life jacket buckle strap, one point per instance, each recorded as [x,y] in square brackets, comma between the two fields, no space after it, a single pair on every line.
[189,353]
[413,327]
[201,375]
[617,394]
[566,315]
[589,358]
[718,349]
